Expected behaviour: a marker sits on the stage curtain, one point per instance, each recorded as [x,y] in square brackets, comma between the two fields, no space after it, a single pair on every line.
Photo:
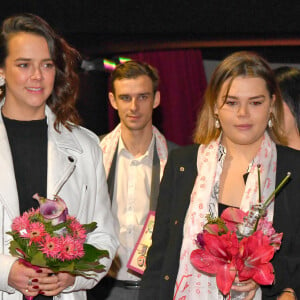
[182,84]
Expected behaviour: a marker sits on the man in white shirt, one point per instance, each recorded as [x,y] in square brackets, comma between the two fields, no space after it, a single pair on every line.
[134,156]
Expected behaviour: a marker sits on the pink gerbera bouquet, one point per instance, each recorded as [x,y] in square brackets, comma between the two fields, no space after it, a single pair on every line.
[238,244]
[49,237]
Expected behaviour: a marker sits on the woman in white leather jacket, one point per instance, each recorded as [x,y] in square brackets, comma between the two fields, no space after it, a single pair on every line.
[43,148]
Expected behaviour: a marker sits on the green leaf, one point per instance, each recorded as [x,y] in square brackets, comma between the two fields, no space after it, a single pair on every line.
[22,244]
[86,266]
[84,274]
[59,226]
[39,260]
[14,245]
[69,268]
[90,227]
[92,253]
[32,250]
[57,265]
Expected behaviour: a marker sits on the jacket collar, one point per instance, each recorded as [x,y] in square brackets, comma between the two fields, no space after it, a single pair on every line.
[64,139]
[62,149]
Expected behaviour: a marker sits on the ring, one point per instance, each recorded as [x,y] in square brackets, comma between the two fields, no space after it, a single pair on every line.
[26,290]
[29,282]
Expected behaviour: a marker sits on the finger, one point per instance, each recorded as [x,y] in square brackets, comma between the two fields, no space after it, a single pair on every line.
[49,280]
[65,279]
[31,273]
[49,285]
[53,292]
[33,289]
[45,271]
[49,289]
[250,295]
[241,288]
[29,292]
[246,286]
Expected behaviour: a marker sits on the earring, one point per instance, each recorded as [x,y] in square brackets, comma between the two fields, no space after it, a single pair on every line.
[270,123]
[217,123]
[2,81]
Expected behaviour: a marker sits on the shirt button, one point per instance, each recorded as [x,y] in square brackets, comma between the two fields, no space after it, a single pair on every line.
[166,277]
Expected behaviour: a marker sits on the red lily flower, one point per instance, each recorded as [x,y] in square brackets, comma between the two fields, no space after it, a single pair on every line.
[232,217]
[254,261]
[218,257]
[267,228]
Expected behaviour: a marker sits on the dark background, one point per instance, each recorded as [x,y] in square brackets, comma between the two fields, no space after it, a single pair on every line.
[103,29]
[106,27]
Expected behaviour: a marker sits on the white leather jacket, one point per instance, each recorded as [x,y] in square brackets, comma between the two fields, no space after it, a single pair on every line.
[76,174]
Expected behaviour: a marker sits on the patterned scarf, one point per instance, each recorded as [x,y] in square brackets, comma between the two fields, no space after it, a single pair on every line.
[110,142]
[190,283]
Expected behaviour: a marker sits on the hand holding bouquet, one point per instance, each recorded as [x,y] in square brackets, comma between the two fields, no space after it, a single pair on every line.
[49,237]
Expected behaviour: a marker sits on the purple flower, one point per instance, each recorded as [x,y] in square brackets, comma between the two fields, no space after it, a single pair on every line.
[200,240]
[54,210]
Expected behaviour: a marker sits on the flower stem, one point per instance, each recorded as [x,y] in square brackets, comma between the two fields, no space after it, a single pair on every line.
[259,185]
[278,188]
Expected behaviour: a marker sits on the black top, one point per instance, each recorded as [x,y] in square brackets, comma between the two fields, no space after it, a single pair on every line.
[28,142]
[222,207]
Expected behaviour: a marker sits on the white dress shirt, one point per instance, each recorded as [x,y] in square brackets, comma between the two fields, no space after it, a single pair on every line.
[131,202]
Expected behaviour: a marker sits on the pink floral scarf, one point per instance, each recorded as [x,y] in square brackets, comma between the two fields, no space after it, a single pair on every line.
[110,142]
[190,283]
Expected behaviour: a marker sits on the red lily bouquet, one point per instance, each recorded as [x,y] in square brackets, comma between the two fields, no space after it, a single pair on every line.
[49,237]
[238,244]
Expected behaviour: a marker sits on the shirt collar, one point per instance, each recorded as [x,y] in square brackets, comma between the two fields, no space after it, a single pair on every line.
[148,155]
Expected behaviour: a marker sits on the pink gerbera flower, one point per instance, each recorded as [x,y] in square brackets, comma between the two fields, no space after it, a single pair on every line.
[21,224]
[33,212]
[36,232]
[79,248]
[77,229]
[50,246]
[70,248]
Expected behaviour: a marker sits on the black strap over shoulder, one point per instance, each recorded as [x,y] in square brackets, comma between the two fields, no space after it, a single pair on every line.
[111,175]
[155,182]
